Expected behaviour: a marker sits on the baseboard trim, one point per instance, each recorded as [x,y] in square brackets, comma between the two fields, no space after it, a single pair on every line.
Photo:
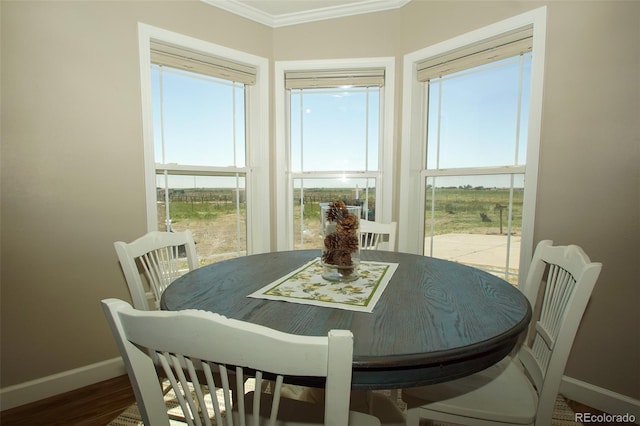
[44,387]
[600,398]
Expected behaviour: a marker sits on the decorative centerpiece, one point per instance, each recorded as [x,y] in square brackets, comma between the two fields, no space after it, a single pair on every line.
[341,256]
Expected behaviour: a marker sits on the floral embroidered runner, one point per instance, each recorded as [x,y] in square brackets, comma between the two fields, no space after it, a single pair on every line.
[305,285]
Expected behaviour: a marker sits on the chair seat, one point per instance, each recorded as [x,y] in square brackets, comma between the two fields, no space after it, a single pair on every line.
[499,394]
[381,406]
[294,412]
[367,402]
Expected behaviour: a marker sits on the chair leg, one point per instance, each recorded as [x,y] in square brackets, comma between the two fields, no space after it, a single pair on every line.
[413,417]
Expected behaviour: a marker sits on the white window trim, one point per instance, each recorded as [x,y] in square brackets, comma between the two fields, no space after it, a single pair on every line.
[411,229]
[258,192]
[283,188]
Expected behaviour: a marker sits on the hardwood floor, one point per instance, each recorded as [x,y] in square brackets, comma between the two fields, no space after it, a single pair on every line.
[98,404]
[94,405]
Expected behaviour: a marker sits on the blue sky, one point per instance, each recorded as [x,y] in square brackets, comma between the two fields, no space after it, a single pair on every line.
[474,116]
[474,121]
[200,125]
[335,130]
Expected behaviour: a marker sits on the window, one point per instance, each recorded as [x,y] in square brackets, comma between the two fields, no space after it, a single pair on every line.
[335,146]
[475,164]
[200,176]
[475,122]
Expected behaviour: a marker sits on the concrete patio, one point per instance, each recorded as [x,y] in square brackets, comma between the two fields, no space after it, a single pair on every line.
[484,251]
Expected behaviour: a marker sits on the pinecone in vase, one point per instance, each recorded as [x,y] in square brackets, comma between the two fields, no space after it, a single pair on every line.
[337,210]
[341,244]
[348,224]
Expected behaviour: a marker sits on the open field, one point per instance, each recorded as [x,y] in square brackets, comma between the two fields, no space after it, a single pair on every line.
[473,210]
[217,219]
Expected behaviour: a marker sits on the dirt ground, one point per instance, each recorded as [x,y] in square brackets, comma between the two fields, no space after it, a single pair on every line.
[218,239]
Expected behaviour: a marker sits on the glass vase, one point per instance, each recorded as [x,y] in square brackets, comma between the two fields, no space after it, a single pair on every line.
[341,256]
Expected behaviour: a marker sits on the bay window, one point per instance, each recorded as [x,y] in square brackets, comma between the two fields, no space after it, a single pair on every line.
[470,146]
[334,139]
[207,166]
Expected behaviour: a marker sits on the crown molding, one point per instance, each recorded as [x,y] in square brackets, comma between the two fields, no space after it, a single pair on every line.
[286,19]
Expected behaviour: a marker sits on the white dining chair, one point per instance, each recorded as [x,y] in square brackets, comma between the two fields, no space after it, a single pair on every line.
[521,389]
[191,344]
[161,257]
[377,236]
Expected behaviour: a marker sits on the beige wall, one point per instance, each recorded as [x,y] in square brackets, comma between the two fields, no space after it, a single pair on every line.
[72,166]
[72,169]
[589,185]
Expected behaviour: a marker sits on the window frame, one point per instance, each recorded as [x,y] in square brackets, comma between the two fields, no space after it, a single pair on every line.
[413,146]
[257,132]
[283,176]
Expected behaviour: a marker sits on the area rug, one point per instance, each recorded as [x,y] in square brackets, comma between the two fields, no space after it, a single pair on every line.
[562,416]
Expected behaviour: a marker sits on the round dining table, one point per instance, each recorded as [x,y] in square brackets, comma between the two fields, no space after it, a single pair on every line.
[436,320]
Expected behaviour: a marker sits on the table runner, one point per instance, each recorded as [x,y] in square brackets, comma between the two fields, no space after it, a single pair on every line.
[305,285]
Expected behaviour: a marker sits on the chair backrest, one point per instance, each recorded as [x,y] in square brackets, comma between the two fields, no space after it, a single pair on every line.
[377,236]
[558,285]
[162,257]
[185,342]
